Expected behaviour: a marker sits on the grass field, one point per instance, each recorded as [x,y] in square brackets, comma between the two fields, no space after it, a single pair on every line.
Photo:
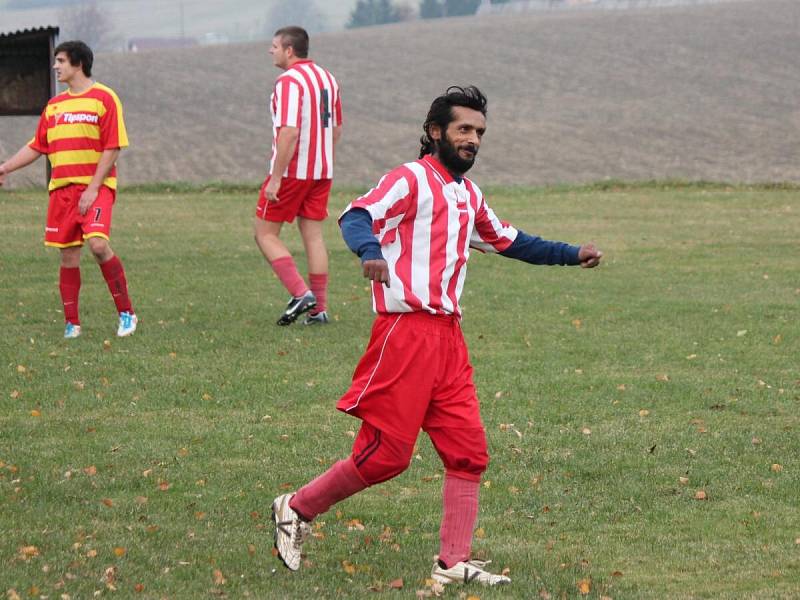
[144,467]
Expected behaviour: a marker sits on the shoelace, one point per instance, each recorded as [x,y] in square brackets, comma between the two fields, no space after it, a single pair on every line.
[301,530]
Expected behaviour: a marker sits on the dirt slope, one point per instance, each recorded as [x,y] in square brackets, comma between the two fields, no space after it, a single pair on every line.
[706,92]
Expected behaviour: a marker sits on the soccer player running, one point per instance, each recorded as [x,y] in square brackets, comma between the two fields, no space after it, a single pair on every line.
[413,233]
[306,125]
[81,131]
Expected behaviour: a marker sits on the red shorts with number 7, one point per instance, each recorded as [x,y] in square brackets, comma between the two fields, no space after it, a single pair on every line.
[66,226]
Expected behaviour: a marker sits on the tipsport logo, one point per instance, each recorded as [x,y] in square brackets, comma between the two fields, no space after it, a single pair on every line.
[76,118]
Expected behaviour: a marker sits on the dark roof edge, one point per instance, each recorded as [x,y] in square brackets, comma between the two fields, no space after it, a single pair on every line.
[32,30]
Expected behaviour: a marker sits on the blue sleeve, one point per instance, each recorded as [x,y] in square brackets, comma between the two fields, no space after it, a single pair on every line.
[356,226]
[533,249]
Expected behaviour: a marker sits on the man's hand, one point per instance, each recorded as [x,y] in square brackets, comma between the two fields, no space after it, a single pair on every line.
[86,200]
[589,256]
[377,270]
[271,191]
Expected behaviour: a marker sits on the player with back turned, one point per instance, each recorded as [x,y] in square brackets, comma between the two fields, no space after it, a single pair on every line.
[413,233]
[81,131]
[307,124]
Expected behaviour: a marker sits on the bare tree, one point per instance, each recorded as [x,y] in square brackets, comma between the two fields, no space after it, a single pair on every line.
[294,12]
[87,22]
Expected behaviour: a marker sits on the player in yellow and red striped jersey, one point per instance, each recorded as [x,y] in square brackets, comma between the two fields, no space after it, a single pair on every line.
[81,131]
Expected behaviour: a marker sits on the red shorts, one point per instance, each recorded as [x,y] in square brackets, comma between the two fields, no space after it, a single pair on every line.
[67,227]
[307,198]
[415,374]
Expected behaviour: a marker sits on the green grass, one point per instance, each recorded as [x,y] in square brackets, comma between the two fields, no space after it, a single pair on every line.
[693,318]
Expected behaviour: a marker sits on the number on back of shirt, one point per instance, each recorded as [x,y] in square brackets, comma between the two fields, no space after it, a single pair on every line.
[325,110]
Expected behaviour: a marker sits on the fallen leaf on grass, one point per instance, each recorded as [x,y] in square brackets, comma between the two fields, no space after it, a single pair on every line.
[219,578]
[140,500]
[586,431]
[348,567]
[36,413]
[662,377]
[21,369]
[644,413]
[108,502]
[163,486]
[776,468]
[354,524]
[138,588]
[396,584]
[119,551]
[683,480]
[700,495]
[28,552]
[251,549]
[584,586]
[91,553]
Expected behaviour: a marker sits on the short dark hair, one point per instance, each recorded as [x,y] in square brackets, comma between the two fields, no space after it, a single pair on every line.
[78,53]
[296,37]
[441,112]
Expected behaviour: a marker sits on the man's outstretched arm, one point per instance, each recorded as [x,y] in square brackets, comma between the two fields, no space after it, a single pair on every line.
[25,156]
[533,249]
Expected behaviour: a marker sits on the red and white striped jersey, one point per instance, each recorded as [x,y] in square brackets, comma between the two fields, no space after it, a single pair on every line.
[306,96]
[426,223]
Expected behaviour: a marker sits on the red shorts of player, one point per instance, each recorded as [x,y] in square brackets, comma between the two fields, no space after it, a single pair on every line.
[415,374]
[307,198]
[67,227]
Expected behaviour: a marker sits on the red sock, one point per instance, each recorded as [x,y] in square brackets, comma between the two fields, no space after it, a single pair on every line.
[114,274]
[341,481]
[69,283]
[460,499]
[287,272]
[319,285]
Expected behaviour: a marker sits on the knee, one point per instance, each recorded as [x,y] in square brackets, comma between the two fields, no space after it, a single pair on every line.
[469,467]
[463,455]
[382,458]
[100,248]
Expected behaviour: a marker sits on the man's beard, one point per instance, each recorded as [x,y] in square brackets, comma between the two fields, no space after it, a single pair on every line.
[448,154]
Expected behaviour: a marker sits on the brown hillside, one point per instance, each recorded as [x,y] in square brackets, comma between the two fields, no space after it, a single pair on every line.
[707,92]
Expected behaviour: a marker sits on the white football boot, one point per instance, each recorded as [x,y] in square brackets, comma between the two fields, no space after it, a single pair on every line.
[467,572]
[290,532]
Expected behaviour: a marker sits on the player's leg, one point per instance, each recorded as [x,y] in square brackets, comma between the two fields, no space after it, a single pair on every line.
[317,253]
[97,229]
[311,215]
[63,231]
[390,392]
[376,457]
[69,285]
[267,228]
[454,425]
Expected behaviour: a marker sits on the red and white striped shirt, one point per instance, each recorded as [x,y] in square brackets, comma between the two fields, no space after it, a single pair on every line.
[306,96]
[426,223]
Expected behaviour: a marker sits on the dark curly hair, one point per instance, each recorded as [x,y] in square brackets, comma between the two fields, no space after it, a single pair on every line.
[441,112]
[78,53]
